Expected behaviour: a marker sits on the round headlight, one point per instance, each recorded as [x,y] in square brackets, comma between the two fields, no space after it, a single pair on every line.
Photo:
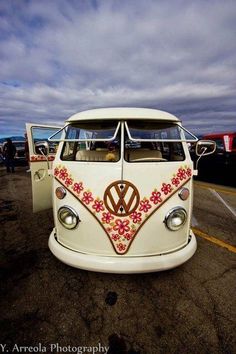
[176,218]
[68,217]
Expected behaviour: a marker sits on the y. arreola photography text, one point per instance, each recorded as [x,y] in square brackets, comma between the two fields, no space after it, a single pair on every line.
[53,348]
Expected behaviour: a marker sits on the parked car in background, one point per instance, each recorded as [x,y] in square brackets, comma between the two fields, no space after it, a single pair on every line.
[221,165]
[225,142]
[20,150]
[1,154]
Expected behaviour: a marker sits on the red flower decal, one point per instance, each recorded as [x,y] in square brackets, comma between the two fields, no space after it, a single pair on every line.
[145,205]
[121,226]
[63,174]
[156,197]
[121,247]
[175,181]
[181,174]
[136,217]
[107,217]
[78,187]
[115,237]
[87,198]
[98,205]
[189,172]
[56,171]
[128,236]
[166,188]
[68,181]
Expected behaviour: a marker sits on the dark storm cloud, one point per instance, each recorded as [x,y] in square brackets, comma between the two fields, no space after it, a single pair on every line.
[61,57]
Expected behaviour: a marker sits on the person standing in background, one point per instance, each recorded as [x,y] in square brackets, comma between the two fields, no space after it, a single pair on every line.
[1,155]
[9,151]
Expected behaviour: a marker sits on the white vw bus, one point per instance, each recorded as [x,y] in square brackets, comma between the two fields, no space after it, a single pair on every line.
[120,184]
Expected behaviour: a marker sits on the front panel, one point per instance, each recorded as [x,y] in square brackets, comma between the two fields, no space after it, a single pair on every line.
[122,192]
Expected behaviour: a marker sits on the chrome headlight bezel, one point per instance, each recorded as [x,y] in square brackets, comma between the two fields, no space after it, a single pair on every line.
[173,213]
[71,213]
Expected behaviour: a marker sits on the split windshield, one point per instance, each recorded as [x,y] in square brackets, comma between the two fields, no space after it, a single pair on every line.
[143,141]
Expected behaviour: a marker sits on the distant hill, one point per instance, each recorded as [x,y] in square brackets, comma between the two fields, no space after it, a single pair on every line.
[13,138]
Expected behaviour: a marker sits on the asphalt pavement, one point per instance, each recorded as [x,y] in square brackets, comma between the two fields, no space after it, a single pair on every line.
[50,307]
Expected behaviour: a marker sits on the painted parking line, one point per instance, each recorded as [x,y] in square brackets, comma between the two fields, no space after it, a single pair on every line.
[214,240]
[233,212]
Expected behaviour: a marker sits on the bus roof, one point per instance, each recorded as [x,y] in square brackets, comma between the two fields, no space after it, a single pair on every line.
[123,113]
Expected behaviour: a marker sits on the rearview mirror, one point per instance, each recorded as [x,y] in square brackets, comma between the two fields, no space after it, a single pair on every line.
[205,147]
[42,148]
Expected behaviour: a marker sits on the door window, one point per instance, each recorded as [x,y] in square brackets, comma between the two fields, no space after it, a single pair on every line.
[40,140]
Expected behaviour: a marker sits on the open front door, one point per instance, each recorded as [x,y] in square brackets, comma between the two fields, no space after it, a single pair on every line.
[41,155]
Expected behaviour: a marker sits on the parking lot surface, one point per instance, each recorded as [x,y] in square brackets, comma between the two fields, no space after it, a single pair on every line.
[190,309]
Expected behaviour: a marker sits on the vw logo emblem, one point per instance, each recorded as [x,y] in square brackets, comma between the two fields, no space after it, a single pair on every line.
[121,198]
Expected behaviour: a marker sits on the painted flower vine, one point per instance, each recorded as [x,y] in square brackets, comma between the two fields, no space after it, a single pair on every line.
[122,230]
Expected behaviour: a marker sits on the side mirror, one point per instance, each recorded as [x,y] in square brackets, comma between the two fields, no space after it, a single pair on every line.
[42,148]
[205,147]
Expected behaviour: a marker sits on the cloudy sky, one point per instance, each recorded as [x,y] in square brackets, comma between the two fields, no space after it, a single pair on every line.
[59,57]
